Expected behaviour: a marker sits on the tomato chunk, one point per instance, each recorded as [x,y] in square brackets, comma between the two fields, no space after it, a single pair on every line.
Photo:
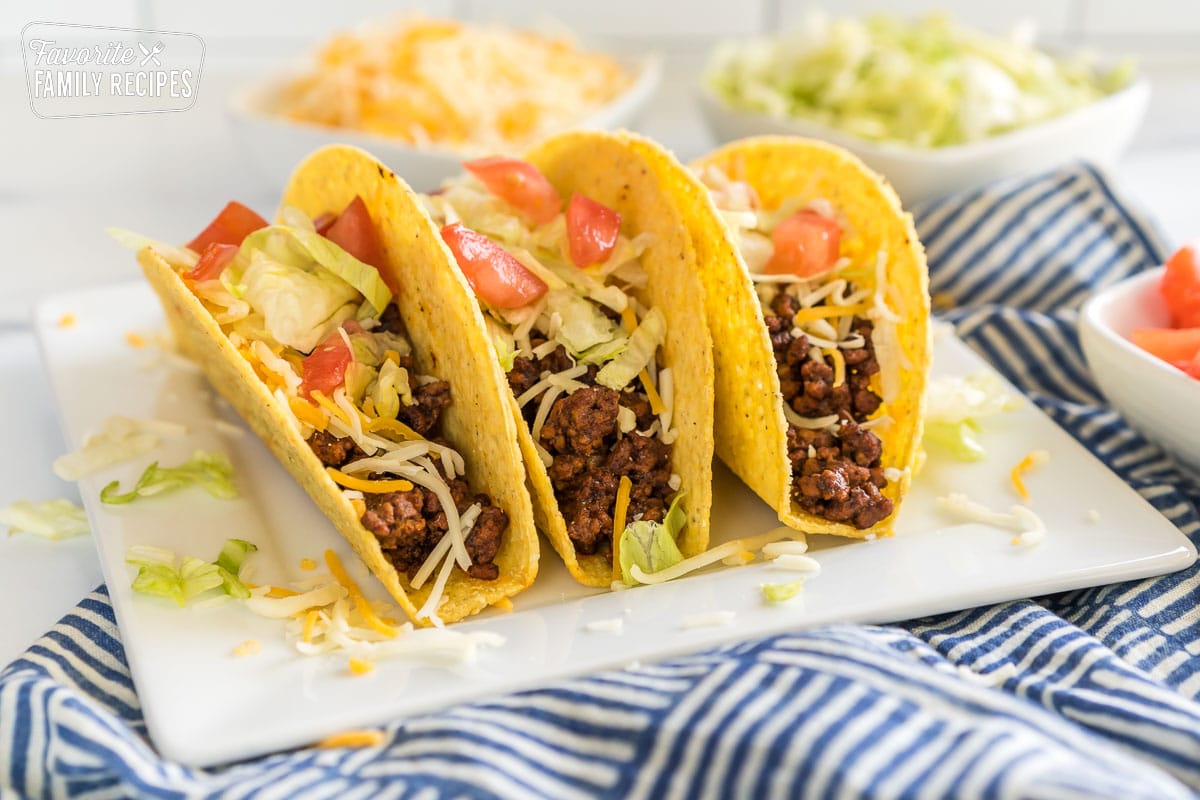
[520,184]
[1181,287]
[1193,367]
[495,275]
[806,243]
[1169,344]
[212,263]
[592,230]
[325,367]
[231,226]
[354,232]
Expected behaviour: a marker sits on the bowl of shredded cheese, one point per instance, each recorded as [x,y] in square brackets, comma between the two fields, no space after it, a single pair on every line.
[424,94]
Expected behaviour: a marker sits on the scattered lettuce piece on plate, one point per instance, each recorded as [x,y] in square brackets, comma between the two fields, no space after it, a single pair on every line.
[50,519]
[956,404]
[651,545]
[781,592]
[210,471]
[160,576]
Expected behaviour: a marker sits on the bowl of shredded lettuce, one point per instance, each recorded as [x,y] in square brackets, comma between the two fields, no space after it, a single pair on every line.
[931,104]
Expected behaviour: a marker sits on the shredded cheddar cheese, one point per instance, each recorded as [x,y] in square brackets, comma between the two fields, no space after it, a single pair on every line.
[360,507]
[360,602]
[1033,459]
[66,321]
[839,364]
[392,356]
[360,666]
[280,591]
[372,619]
[504,604]
[307,413]
[364,485]
[307,564]
[393,426]
[135,340]
[624,487]
[310,621]
[352,739]
[330,406]
[738,559]
[250,647]
[828,312]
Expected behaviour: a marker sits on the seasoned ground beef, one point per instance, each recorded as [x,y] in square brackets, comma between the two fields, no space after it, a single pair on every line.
[590,456]
[835,475]
[332,451]
[429,401]
[410,524]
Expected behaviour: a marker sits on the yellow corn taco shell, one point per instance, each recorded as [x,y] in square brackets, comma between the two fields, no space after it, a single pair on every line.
[751,430]
[449,340]
[604,167]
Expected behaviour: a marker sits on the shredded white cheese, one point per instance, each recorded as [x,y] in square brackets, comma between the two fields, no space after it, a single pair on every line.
[614,625]
[708,619]
[1029,526]
[787,547]
[797,562]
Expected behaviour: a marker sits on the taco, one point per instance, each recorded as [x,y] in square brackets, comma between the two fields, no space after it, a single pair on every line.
[818,304]
[366,369]
[587,278]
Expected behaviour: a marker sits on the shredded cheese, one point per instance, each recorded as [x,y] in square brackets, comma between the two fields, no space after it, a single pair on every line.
[1033,459]
[307,413]
[393,426]
[360,666]
[66,321]
[135,340]
[250,647]
[712,556]
[364,485]
[738,559]
[307,564]
[503,604]
[826,312]
[310,620]
[796,562]
[839,365]
[352,739]
[629,318]
[280,591]
[624,487]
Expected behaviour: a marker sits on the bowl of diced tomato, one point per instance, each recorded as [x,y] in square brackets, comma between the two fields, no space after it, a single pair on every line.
[1142,342]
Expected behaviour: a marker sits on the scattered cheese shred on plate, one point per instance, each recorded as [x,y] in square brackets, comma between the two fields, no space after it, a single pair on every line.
[135,340]
[1035,458]
[250,647]
[708,619]
[360,666]
[352,739]
[67,320]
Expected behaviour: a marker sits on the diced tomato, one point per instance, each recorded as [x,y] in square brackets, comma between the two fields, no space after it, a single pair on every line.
[212,263]
[520,184]
[1169,344]
[592,230]
[495,275]
[355,233]
[325,367]
[322,222]
[806,243]
[232,225]
[1181,287]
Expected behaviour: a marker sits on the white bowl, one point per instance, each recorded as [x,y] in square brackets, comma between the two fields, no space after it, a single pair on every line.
[1157,399]
[276,144]
[1098,132]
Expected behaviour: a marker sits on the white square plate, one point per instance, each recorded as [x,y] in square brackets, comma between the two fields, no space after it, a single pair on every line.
[204,706]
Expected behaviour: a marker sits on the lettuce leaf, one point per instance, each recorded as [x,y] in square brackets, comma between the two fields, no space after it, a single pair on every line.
[50,519]
[642,343]
[651,545]
[781,592]
[210,471]
[158,574]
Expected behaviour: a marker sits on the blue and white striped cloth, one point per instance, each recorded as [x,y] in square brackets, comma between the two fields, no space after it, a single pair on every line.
[1093,693]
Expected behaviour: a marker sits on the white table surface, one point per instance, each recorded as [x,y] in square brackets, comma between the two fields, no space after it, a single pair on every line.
[63,181]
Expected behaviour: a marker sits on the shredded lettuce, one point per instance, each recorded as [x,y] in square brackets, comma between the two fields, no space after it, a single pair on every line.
[119,439]
[781,592]
[584,326]
[210,471]
[50,519]
[160,575]
[927,83]
[299,307]
[639,350]
[178,257]
[954,406]
[651,545]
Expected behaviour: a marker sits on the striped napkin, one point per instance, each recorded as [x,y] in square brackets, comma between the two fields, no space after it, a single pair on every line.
[1093,693]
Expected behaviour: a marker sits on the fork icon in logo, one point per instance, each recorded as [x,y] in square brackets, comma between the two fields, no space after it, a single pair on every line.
[152,55]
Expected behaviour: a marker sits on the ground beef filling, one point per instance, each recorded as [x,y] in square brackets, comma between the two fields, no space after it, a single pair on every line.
[835,476]
[409,524]
[590,456]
